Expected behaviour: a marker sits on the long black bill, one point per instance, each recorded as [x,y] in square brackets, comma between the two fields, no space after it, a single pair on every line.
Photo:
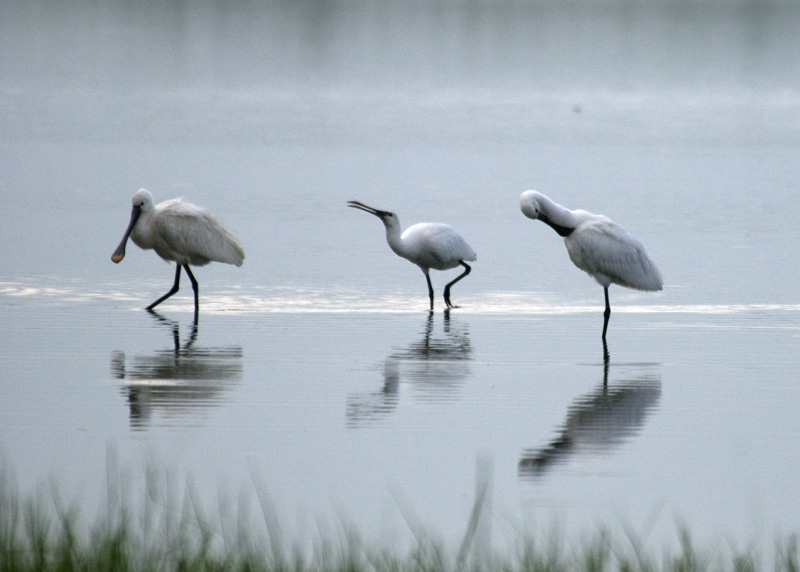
[119,253]
[561,230]
[365,208]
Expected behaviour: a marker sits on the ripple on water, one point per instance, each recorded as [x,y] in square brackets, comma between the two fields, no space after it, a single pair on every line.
[262,300]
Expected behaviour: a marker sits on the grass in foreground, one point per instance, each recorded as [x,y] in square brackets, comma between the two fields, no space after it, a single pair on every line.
[41,533]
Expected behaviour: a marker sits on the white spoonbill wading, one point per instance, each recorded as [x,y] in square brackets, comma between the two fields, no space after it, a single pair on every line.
[427,244]
[181,232]
[597,245]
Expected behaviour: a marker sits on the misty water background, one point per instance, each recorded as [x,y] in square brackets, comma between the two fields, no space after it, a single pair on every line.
[315,372]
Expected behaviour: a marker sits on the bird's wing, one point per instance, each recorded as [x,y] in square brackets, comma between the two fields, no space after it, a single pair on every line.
[442,246]
[605,249]
[194,232]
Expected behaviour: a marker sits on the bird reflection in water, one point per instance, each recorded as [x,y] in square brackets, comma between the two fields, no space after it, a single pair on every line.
[597,422]
[176,383]
[434,367]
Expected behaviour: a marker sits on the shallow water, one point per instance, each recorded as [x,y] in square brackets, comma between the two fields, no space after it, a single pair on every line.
[367,416]
[315,370]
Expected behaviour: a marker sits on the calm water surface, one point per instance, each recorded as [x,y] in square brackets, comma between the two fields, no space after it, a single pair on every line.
[315,372]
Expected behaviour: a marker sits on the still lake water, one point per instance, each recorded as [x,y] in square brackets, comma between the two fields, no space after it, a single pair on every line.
[315,372]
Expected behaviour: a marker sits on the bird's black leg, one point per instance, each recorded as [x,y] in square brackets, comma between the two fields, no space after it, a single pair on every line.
[196,289]
[192,336]
[175,287]
[430,289]
[460,276]
[606,314]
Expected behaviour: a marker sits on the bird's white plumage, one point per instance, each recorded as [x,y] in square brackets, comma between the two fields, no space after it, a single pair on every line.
[434,245]
[596,244]
[183,232]
[427,244]
[606,251]
[180,232]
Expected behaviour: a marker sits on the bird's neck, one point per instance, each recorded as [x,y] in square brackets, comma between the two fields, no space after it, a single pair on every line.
[561,230]
[393,238]
[142,234]
[560,219]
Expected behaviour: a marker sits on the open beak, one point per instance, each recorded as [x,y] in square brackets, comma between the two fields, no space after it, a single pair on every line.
[365,208]
[119,253]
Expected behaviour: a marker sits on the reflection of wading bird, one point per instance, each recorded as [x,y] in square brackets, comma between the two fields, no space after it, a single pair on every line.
[597,422]
[182,232]
[178,382]
[434,367]
[427,244]
[597,245]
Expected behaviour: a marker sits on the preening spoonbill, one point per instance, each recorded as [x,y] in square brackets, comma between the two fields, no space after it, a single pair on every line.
[597,245]
[427,244]
[181,232]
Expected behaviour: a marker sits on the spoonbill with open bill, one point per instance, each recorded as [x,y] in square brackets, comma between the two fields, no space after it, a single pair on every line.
[427,244]
[597,245]
[181,232]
